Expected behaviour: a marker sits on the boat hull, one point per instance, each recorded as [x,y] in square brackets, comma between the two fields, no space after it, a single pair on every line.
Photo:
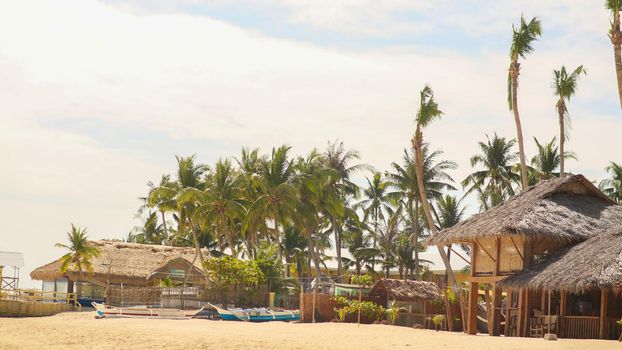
[251,316]
[143,312]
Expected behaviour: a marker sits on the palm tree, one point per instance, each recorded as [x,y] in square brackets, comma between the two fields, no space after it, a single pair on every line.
[615,36]
[189,176]
[277,194]
[359,246]
[376,199]
[338,159]
[494,183]
[219,204]
[564,86]
[164,201]
[249,165]
[522,41]
[404,181]
[449,212]
[428,111]
[293,245]
[151,232]
[613,185]
[546,161]
[80,254]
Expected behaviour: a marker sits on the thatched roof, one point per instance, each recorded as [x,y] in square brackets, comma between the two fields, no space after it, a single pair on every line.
[568,209]
[406,290]
[130,263]
[593,264]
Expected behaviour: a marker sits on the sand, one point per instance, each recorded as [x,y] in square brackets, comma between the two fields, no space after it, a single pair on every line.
[78,330]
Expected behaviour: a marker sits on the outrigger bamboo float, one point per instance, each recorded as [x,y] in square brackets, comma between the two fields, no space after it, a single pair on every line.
[104,310]
[257,314]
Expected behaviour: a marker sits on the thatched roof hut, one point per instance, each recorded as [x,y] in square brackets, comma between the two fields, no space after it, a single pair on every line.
[591,265]
[568,210]
[127,263]
[405,290]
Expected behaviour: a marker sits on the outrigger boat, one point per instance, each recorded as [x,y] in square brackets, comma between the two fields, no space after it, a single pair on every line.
[257,314]
[104,310]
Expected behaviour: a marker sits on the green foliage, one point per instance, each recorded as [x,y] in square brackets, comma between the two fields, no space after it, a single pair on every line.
[364,280]
[369,309]
[437,320]
[228,271]
[393,311]
[167,282]
[80,251]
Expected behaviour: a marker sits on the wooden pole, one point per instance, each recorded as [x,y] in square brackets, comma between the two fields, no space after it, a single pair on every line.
[603,313]
[562,303]
[549,312]
[313,311]
[520,318]
[360,305]
[472,322]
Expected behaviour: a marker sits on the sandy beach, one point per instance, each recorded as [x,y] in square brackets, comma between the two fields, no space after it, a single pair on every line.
[78,330]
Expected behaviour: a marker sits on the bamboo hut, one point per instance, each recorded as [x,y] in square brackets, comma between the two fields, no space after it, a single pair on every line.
[542,221]
[419,300]
[581,286]
[126,264]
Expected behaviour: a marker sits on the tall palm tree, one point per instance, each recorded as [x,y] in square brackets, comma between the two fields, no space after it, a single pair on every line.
[80,253]
[293,245]
[614,6]
[375,202]
[151,232]
[277,196]
[189,176]
[339,159]
[449,211]
[219,205]
[359,246]
[494,183]
[164,201]
[613,185]
[404,181]
[522,41]
[428,112]
[546,161]
[249,164]
[564,86]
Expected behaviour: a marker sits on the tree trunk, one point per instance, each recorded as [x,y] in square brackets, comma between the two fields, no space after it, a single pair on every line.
[164,225]
[616,40]
[197,246]
[519,130]
[562,138]
[416,239]
[417,145]
[337,248]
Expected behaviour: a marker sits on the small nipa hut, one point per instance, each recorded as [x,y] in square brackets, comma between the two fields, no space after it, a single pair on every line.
[419,300]
[122,264]
[583,284]
[515,243]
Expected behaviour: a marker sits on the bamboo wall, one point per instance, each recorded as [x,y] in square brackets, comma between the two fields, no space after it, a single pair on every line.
[13,308]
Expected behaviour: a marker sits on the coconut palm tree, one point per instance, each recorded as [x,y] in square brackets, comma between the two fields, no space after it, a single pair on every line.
[339,159]
[428,112]
[359,246]
[80,255]
[151,232]
[613,185]
[545,163]
[249,165]
[278,196]
[375,202]
[164,201]
[522,45]
[614,6]
[405,189]
[219,205]
[494,183]
[564,86]
[293,245]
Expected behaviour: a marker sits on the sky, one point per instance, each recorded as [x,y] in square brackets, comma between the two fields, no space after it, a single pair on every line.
[97,97]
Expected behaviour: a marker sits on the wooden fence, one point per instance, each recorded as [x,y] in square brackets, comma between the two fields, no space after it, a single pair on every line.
[324,305]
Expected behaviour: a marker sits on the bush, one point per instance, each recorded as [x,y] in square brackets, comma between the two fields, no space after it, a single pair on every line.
[347,310]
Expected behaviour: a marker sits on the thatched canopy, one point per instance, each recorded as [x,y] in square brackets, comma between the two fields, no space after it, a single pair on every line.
[568,209]
[593,264]
[406,290]
[129,263]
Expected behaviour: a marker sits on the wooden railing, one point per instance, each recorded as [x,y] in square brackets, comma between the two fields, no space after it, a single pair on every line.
[39,296]
[579,327]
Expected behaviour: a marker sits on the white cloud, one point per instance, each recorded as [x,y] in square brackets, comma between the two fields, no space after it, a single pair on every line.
[189,76]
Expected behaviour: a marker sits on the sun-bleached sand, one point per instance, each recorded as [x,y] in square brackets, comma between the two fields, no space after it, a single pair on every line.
[79,330]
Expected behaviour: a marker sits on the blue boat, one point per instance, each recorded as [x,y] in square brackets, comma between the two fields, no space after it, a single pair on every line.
[257,314]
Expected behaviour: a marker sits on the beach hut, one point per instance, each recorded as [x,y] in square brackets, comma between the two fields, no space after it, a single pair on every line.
[579,289]
[122,264]
[419,300]
[542,221]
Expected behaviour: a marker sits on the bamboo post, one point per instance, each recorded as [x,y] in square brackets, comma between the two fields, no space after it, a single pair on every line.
[360,305]
[472,322]
[313,303]
[549,312]
[603,314]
